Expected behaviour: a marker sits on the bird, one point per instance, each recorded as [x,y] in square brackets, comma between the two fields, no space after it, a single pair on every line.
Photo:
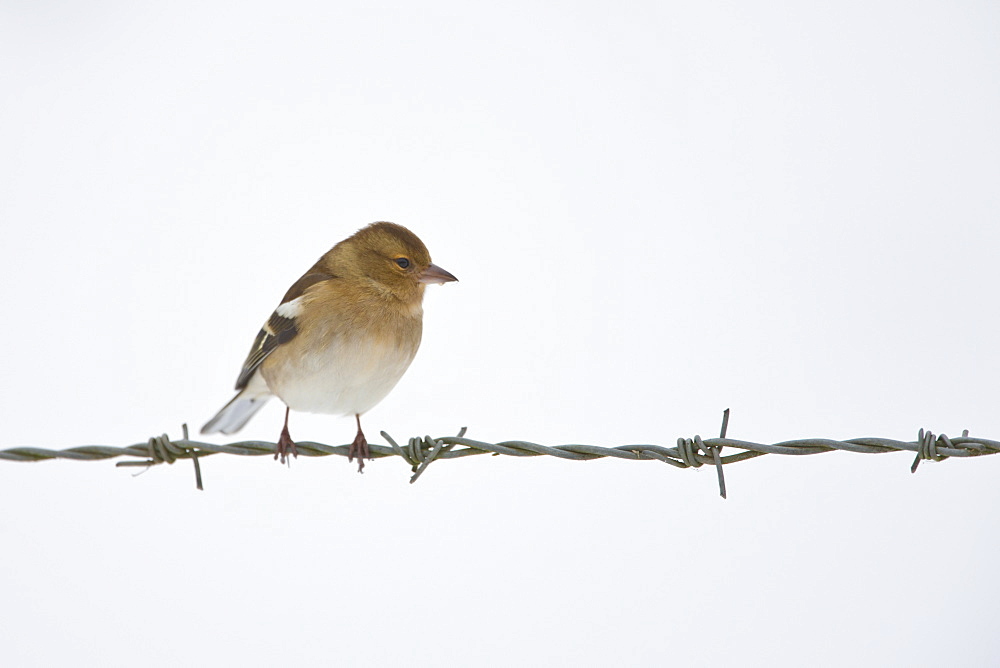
[342,336]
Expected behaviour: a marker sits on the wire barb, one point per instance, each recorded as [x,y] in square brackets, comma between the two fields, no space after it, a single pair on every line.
[928,447]
[717,454]
[420,452]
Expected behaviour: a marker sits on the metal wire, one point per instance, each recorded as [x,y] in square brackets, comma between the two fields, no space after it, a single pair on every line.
[420,452]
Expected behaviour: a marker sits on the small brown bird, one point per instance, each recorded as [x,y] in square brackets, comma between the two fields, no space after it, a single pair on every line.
[342,336]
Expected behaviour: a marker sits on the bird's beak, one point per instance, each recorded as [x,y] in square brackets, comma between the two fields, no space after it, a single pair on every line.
[435,274]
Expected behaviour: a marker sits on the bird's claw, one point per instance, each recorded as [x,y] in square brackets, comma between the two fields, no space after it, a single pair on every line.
[359,449]
[286,447]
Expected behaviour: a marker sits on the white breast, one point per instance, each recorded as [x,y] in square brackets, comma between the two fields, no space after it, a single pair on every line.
[345,378]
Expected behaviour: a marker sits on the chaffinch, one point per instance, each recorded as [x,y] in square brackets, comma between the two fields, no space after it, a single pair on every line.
[342,336]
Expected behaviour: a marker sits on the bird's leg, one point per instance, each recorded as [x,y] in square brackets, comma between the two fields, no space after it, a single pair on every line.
[359,447]
[285,443]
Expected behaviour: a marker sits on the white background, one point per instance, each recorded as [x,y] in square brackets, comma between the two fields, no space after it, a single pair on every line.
[656,210]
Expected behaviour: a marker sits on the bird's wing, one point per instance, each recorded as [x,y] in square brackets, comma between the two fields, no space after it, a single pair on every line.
[281,327]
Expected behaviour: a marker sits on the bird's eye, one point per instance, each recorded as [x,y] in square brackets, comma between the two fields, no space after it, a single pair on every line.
[402,262]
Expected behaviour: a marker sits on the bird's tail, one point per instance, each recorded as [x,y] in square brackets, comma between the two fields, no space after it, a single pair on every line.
[238,412]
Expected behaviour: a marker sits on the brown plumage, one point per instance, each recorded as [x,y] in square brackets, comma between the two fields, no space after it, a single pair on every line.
[342,336]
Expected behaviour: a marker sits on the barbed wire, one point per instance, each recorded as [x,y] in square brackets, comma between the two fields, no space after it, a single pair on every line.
[419,451]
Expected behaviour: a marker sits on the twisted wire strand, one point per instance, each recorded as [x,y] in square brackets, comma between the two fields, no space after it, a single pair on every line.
[420,452]
[965,446]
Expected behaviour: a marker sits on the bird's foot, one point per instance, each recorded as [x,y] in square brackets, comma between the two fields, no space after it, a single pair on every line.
[286,447]
[359,448]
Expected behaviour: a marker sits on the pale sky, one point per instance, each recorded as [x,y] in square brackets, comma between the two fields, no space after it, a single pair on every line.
[656,210]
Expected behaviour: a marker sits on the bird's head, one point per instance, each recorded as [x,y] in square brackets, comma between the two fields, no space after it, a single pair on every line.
[394,258]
